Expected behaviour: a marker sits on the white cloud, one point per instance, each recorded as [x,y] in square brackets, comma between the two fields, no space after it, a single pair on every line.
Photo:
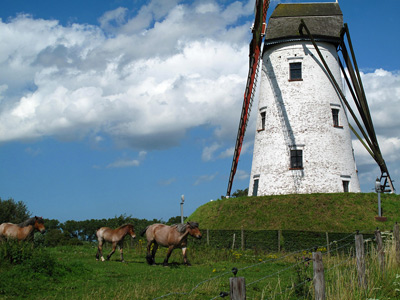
[127,162]
[205,178]
[242,175]
[124,163]
[208,152]
[211,152]
[33,151]
[113,18]
[167,182]
[142,87]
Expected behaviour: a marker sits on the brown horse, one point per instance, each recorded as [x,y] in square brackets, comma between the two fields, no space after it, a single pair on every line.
[174,236]
[22,231]
[114,236]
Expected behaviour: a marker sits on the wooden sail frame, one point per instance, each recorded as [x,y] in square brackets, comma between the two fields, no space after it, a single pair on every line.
[259,27]
[356,89]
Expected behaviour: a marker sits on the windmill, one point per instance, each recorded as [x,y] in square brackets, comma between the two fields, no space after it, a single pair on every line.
[258,29]
[302,142]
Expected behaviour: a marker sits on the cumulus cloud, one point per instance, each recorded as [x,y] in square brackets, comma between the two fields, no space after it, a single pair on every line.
[144,85]
[212,152]
[127,162]
[167,182]
[204,178]
[242,175]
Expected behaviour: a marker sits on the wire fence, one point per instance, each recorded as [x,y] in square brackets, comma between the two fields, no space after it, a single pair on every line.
[344,244]
[271,240]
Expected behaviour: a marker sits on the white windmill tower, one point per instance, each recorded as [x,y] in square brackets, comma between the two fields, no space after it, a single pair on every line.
[302,143]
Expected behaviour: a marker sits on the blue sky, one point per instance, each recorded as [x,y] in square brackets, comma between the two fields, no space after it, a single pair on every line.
[120,107]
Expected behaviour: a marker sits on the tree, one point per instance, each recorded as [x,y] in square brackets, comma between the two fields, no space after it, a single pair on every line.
[175,220]
[52,224]
[13,212]
[240,193]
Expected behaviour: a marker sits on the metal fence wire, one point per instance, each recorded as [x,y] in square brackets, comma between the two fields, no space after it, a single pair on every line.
[332,243]
[274,240]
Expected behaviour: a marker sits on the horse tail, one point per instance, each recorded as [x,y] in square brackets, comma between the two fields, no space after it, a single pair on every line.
[144,231]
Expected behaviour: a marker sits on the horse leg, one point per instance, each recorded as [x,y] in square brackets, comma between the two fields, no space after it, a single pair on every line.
[100,251]
[185,260]
[170,248]
[153,253]
[121,250]
[149,257]
[114,245]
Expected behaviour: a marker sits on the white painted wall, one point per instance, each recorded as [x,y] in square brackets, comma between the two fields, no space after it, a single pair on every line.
[299,114]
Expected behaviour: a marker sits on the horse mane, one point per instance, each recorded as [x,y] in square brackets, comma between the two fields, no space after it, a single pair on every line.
[30,221]
[125,225]
[193,224]
[181,228]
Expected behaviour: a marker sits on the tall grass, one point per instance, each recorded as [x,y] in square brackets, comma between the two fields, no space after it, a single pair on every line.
[71,272]
[382,283]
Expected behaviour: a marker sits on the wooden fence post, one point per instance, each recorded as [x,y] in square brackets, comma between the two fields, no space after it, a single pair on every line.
[238,288]
[242,232]
[319,279]
[379,249]
[279,240]
[208,238]
[328,248]
[360,261]
[396,237]
[233,242]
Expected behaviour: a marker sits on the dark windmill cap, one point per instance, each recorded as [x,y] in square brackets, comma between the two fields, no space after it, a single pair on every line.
[324,20]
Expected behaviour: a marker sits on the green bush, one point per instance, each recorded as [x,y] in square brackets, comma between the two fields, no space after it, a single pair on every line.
[28,268]
[15,252]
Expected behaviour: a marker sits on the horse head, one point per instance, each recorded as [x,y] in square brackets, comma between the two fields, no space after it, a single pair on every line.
[194,230]
[131,231]
[39,224]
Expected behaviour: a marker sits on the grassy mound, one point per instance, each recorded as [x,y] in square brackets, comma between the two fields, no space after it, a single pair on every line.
[341,212]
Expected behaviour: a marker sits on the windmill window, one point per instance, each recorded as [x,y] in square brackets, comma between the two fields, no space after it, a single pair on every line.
[296,159]
[255,187]
[335,116]
[345,186]
[262,114]
[295,71]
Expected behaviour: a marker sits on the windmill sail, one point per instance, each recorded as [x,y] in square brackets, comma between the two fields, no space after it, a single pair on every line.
[357,91]
[258,29]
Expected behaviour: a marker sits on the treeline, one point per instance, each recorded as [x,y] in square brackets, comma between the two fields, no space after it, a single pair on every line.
[77,232]
[71,232]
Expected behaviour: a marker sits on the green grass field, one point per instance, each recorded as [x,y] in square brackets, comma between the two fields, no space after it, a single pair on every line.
[71,272]
[341,212]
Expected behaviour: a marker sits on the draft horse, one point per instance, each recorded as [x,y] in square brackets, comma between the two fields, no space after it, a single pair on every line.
[114,236]
[22,231]
[174,236]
